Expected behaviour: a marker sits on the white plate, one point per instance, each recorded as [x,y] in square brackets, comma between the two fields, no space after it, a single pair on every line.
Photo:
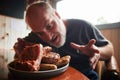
[37,74]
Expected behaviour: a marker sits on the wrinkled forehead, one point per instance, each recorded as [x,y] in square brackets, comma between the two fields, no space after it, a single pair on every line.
[35,12]
[35,18]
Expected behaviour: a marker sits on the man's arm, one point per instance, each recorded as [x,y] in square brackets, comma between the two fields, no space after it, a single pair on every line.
[106,51]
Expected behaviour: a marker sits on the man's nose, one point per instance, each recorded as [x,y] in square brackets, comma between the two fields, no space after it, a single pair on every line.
[48,36]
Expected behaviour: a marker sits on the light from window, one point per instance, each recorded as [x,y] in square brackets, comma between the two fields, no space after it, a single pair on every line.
[95,11]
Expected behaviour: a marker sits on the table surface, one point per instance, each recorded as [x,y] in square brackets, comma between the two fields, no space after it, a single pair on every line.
[69,74]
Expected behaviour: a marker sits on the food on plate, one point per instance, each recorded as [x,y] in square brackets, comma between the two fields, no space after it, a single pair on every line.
[35,57]
[19,46]
[63,61]
[44,66]
[50,58]
[30,58]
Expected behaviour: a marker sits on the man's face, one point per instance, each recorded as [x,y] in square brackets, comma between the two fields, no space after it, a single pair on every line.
[49,27]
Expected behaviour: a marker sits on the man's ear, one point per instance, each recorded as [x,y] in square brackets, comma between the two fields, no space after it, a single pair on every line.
[57,14]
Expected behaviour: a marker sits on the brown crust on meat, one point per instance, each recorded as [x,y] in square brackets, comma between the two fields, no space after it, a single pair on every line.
[50,58]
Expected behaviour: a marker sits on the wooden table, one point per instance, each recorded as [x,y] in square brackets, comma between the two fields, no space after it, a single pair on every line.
[69,74]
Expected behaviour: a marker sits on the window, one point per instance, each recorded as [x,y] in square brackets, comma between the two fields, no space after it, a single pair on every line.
[94,11]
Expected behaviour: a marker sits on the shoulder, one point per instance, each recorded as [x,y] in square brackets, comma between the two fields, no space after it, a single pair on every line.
[79,22]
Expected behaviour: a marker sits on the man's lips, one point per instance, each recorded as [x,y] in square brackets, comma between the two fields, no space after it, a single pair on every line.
[54,39]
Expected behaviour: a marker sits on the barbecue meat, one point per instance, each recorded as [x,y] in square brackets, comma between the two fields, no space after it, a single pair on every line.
[50,58]
[19,46]
[30,58]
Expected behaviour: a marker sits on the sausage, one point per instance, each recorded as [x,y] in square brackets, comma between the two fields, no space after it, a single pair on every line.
[63,61]
[44,66]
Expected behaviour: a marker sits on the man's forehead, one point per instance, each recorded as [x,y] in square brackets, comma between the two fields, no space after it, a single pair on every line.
[37,29]
[38,18]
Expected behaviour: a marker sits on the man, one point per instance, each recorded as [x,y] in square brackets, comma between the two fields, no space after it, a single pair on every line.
[77,38]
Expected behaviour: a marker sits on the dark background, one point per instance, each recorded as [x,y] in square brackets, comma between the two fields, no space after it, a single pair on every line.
[13,8]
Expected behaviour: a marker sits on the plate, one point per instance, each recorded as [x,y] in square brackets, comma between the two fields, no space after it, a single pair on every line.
[36,74]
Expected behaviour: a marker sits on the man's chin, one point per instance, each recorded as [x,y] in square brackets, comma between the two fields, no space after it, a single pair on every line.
[60,44]
[57,45]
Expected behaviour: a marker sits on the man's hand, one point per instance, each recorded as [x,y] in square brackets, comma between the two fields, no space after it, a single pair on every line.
[89,50]
[94,60]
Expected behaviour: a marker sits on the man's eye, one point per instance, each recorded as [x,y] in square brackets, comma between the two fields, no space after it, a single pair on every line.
[39,33]
[48,27]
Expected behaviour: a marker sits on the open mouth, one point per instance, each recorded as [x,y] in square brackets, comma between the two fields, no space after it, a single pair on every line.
[54,38]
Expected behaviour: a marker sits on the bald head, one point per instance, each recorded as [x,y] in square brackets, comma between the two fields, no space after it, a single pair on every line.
[36,10]
[40,4]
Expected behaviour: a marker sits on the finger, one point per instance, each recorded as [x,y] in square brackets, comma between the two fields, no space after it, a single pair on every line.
[91,45]
[91,42]
[96,50]
[94,64]
[94,60]
[75,46]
